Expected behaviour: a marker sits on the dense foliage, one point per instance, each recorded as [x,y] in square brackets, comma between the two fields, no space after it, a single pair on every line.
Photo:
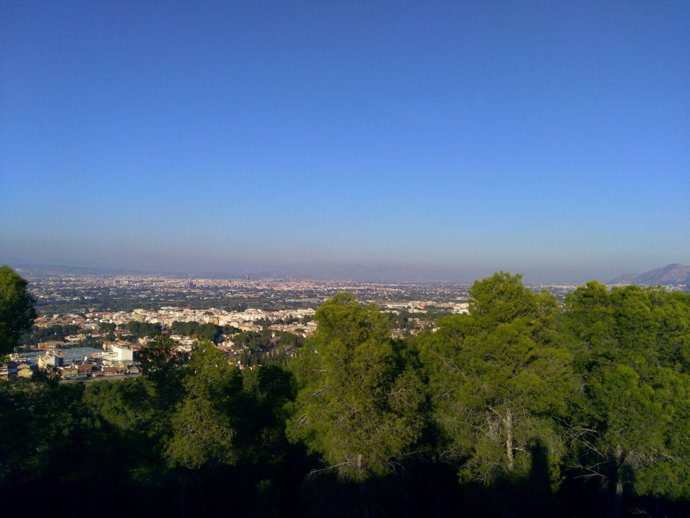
[16,309]
[206,331]
[500,380]
[143,329]
[358,403]
[55,332]
[524,406]
[267,347]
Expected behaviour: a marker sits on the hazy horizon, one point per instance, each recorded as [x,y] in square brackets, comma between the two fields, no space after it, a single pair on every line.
[318,272]
[430,142]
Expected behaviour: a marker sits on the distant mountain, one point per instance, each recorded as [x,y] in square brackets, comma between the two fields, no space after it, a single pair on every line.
[671,275]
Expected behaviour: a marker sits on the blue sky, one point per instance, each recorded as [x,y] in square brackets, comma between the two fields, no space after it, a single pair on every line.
[449,138]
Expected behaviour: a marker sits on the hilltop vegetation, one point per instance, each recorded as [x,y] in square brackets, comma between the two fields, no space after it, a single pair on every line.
[522,407]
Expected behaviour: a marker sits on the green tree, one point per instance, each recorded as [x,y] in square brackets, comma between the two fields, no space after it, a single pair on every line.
[143,329]
[358,404]
[16,309]
[634,418]
[268,389]
[203,430]
[499,379]
[48,434]
[210,332]
[165,367]
[107,327]
[139,427]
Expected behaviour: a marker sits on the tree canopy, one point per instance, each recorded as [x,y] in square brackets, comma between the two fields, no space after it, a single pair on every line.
[16,309]
[630,346]
[357,403]
[500,379]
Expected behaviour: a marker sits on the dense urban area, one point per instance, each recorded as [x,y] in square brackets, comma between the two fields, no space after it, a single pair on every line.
[92,326]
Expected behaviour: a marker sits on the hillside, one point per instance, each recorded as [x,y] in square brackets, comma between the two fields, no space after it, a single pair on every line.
[671,275]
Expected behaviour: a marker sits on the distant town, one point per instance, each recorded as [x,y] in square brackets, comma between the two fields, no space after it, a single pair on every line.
[93,326]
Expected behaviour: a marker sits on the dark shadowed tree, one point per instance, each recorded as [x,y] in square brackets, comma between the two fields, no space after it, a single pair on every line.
[16,309]
[202,425]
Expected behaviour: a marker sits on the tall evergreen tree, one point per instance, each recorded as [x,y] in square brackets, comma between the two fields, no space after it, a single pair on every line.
[202,423]
[634,419]
[16,309]
[499,379]
[358,405]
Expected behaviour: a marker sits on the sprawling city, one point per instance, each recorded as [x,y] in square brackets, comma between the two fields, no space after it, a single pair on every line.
[91,327]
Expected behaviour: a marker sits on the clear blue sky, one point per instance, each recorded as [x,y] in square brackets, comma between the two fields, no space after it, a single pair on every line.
[453,138]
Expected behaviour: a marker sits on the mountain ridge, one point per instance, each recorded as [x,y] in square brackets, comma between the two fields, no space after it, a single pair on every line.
[669,275]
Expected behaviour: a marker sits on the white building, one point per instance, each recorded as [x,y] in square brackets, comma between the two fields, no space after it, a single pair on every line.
[50,359]
[123,354]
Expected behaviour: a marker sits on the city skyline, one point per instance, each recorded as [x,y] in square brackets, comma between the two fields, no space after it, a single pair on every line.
[442,141]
